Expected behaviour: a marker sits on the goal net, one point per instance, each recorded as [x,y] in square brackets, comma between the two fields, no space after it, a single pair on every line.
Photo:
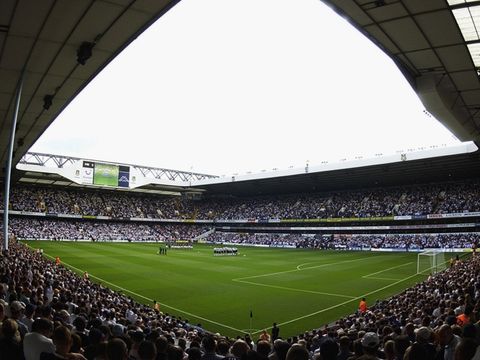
[430,262]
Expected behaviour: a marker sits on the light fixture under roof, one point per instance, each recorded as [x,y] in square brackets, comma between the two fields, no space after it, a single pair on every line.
[468,20]
[475,52]
[456,2]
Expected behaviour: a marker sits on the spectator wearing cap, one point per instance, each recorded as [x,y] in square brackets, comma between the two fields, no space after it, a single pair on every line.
[16,312]
[370,344]
[38,340]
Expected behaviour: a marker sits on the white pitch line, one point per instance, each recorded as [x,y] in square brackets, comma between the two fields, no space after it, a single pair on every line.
[381,271]
[299,267]
[381,278]
[343,303]
[293,289]
[151,300]
[307,268]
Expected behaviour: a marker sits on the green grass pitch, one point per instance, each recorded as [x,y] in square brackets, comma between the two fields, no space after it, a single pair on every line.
[298,289]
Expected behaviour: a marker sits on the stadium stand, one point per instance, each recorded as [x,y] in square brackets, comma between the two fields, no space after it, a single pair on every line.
[350,242]
[435,318]
[438,198]
[42,229]
[107,216]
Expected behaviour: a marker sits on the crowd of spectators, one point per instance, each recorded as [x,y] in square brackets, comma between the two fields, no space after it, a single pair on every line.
[88,230]
[350,241]
[47,229]
[48,312]
[427,199]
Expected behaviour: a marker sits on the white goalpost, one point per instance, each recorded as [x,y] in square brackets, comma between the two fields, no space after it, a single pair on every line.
[431,262]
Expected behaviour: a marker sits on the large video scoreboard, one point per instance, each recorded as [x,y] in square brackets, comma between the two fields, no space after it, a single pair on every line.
[105,174]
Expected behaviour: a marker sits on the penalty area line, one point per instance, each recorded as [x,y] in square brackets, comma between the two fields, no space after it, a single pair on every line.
[292,289]
[343,303]
[381,271]
[150,300]
[306,268]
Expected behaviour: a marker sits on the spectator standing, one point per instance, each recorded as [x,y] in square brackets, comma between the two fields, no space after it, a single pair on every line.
[38,340]
[275,332]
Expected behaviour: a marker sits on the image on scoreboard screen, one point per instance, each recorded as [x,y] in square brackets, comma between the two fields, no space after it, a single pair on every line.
[124,176]
[87,172]
[105,174]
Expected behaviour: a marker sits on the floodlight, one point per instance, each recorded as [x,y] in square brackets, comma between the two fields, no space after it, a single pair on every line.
[47,101]
[84,52]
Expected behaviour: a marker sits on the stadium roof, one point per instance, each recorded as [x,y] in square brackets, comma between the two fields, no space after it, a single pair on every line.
[435,43]
[46,38]
[410,166]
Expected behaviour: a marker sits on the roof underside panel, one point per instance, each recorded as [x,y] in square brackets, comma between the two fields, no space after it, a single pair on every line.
[433,39]
[43,37]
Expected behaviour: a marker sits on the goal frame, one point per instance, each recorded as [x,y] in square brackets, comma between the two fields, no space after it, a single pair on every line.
[436,264]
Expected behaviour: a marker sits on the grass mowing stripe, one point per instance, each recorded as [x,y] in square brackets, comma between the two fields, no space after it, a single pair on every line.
[343,303]
[293,289]
[148,299]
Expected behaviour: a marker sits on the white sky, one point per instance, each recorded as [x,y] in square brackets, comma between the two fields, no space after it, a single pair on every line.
[230,86]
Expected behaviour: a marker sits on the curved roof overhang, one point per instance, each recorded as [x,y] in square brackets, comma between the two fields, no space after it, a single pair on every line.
[436,45]
[43,40]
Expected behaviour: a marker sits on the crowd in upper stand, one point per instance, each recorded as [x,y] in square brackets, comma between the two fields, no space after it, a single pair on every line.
[48,312]
[406,200]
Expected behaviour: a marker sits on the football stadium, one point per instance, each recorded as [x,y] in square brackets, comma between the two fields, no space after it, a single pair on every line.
[364,258]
